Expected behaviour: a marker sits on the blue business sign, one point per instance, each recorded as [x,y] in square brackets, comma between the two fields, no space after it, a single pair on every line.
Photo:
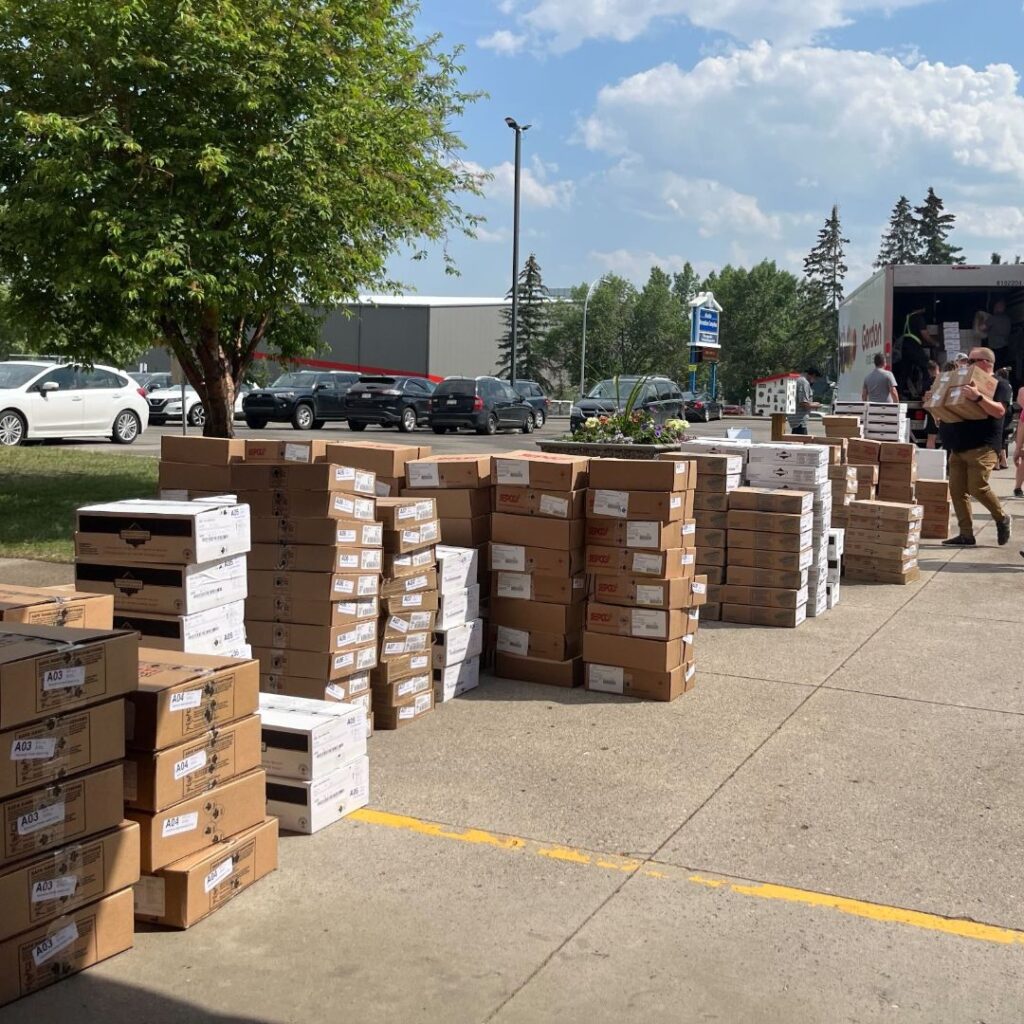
[704,329]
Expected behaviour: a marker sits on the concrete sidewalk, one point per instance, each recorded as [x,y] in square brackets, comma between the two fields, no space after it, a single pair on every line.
[828,828]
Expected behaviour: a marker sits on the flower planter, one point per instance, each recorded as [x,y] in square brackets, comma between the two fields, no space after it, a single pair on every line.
[607,449]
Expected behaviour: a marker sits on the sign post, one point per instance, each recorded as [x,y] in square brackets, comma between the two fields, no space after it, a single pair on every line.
[705,321]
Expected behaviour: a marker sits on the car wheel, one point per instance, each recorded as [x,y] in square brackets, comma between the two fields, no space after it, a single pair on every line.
[255,422]
[319,424]
[440,430]
[490,427]
[539,418]
[126,428]
[12,428]
[356,425]
[529,424]
[302,418]
[408,421]
[197,415]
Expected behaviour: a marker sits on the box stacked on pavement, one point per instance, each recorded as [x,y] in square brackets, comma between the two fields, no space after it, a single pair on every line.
[67,857]
[197,467]
[835,566]
[835,446]
[537,567]
[881,543]
[881,421]
[843,480]
[458,628]
[933,497]
[402,683]
[897,471]
[642,613]
[55,606]
[386,461]
[194,784]
[176,570]
[842,426]
[863,455]
[314,753]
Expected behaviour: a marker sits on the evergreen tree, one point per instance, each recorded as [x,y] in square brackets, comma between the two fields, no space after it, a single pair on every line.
[933,228]
[900,244]
[996,259]
[825,270]
[534,315]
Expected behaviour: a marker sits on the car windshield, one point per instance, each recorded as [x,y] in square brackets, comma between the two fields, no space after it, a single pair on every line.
[299,379]
[379,382]
[611,389]
[16,375]
[456,386]
[523,390]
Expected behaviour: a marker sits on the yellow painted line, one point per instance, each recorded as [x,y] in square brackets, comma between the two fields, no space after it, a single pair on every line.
[879,912]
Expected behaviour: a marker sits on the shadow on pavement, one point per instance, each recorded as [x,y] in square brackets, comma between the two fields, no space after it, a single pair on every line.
[969,567]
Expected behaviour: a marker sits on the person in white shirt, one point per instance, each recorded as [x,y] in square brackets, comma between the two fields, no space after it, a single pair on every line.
[879,384]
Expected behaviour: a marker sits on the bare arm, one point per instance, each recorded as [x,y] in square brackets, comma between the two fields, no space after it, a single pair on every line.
[894,395]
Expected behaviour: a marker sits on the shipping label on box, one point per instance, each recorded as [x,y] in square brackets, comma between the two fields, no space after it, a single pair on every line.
[641,474]
[455,680]
[541,470]
[530,501]
[663,686]
[542,561]
[310,805]
[675,562]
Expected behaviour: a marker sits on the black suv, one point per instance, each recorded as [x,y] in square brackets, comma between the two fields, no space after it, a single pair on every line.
[661,397]
[484,403]
[402,402]
[534,394]
[304,398]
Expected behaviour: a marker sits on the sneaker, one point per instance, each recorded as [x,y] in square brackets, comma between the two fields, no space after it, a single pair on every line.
[960,541]
[1003,531]
[1018,493]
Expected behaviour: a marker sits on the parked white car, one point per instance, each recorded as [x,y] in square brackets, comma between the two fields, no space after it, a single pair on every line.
[41,398]
[165,404]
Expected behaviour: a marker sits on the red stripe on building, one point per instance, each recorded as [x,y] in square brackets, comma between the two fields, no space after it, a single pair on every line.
[326,364]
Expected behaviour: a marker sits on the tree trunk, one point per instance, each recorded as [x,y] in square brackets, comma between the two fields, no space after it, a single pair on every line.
[218,392]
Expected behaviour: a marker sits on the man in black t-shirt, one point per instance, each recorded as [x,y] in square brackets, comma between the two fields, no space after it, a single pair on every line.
[974,447]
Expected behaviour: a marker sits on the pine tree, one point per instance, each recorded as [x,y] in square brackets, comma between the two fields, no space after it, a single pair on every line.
[996,259]
[534,316]
[825,270]
[933,228]
[900,244]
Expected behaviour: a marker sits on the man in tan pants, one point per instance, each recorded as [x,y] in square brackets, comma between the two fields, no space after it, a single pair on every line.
[974,452]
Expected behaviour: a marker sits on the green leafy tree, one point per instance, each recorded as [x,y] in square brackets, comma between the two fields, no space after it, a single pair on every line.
[202,173]
[933,228]
[659,338]
[900,243]
[532,323]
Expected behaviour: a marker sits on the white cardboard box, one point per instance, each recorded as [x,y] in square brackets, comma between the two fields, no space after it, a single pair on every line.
[455,680]
[457,607]
[306,739]
[215,631]
[308,805]
[458,643]
[457,568]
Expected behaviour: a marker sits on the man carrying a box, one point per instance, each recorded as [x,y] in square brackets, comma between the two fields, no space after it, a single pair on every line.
[974,452]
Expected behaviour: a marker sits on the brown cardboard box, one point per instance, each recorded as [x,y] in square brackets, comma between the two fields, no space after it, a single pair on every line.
[423,582]
[400,624]
[885,511]
[324,530]
[311,638]
[535,643]
[895,492]
[400,668]
[67,811]
[897,472]
[647,534]
[568,673]
[460,471]
[343,689]
[866,474]
[39,606]
[663,686]
[404,714]
[858,548]
[309,504]
[899,452]
[761,597]
[317,476]
[399,692]
[543,561]
[751,615]
[192,888]
[770,522]
[534,616]
[398,513]
[421,600]
[415,537]
[173,476]
[156,780]
[321,665]
[635,653]
[47,670]
[60,948]
[311,613]
[454,503]
[870,572]
[413,563]
[846,474]
[525,586]
[767,541]
[201,451]
[399,647]
[783,561]
[671,564]
[646,623]
[711,537]
[711,520]
[540,470]
[642,592]
[61,745]
[711,556]
[712,612]
[314,558]
[865,492]
[842,426]
[58,882]
[183,695]
[715,574]
[466,533]
[643,474]
[262,450]
[531,501]
[763,499]
[378,457]
[314,586]
[932,491]
[659,506]
[195,823]
[709,465]
[751,576]
[562,535]
[705,502]
[862,452]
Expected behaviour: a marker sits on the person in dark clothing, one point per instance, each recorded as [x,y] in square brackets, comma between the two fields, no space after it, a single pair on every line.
[910,357]
[974,452]
[1003,373]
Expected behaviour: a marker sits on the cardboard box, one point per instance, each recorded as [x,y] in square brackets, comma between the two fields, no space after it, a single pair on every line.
[201,451]
[304,739]
[424,600]
[860,451]
[40,606]
[400,647]
[312,638]
[885,511]
[551,646]
[642,474]
[310,505]
[531,501]
[398,625]
[184,476]
[858,572]
[715,574]
[313,613]
[897,472]
[642,592]
[181,696]
[768,541]
[762,597]
[195,823]
[219,630]
[46,670]
[339,690]
[401,668]
[68,811]
[315,558]
[161,532]
[762,499]
[458,607]
[457,567]
[646,534]
[56,950]
[423,582]
[842,426]
[320,665]
[183,893]
[39,753]
[321,531]
[751,576]
[751,615]
[263,450]
[166,589]
[708,464]
[526,586]
[153,781]
[317,476]
[314,586]
[542,561]
[412,538]
[460,471]
[782,561]
[562,535]
[455,680]
[401,691]
[770,522]
[663,686]
[466,533]
[56,883]
[414,563]
[635,653]
[401,715]
[309,805]
[897,453]
[540,470]
[662,506]
[707,503]
[458,643]
[710,520]
[535,616]
[670,564]
[895,492]
[397,514]
[932,492]
[455,503]
[378,457]
[568,673]
[647,623]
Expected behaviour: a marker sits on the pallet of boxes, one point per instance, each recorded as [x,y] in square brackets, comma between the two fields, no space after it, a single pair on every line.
[536,562]
[68,859]
[643,609]
[881,543]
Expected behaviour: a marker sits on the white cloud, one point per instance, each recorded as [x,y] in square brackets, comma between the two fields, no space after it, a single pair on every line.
[535,188]
[485,235]
[502,42]
[716,208]
[635,264]
[1003,223]
[568,23]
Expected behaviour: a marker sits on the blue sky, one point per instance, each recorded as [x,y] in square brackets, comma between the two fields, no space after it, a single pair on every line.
[722,131]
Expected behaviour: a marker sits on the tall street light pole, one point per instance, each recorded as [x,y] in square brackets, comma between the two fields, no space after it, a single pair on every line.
[583,347]
[518,129]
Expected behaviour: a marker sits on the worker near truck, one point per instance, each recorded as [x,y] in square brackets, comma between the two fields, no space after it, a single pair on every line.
[804,401]
[910,355]
[879,384]
[974,452]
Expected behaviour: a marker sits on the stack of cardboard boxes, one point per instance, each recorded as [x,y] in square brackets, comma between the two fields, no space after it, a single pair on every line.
[770,557]
[947,402]
[880,421]
[934,498]
[836,539]
[314,572]
[536,561]
[897,471]
[197,467]
[403,689]
[881,542]
[176,570]
[55,606]
[843,480]
[842,426]
[458,629]
[194,785]
[642,615]
[67,857]
[314,753]
[386,461]
[862,455]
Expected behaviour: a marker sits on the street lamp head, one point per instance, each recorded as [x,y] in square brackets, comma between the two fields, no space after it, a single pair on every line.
[515,126]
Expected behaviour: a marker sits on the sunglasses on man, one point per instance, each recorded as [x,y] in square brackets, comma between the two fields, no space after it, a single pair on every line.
[980,359]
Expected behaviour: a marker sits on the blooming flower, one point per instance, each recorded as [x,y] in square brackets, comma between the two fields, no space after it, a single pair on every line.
[590,421]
